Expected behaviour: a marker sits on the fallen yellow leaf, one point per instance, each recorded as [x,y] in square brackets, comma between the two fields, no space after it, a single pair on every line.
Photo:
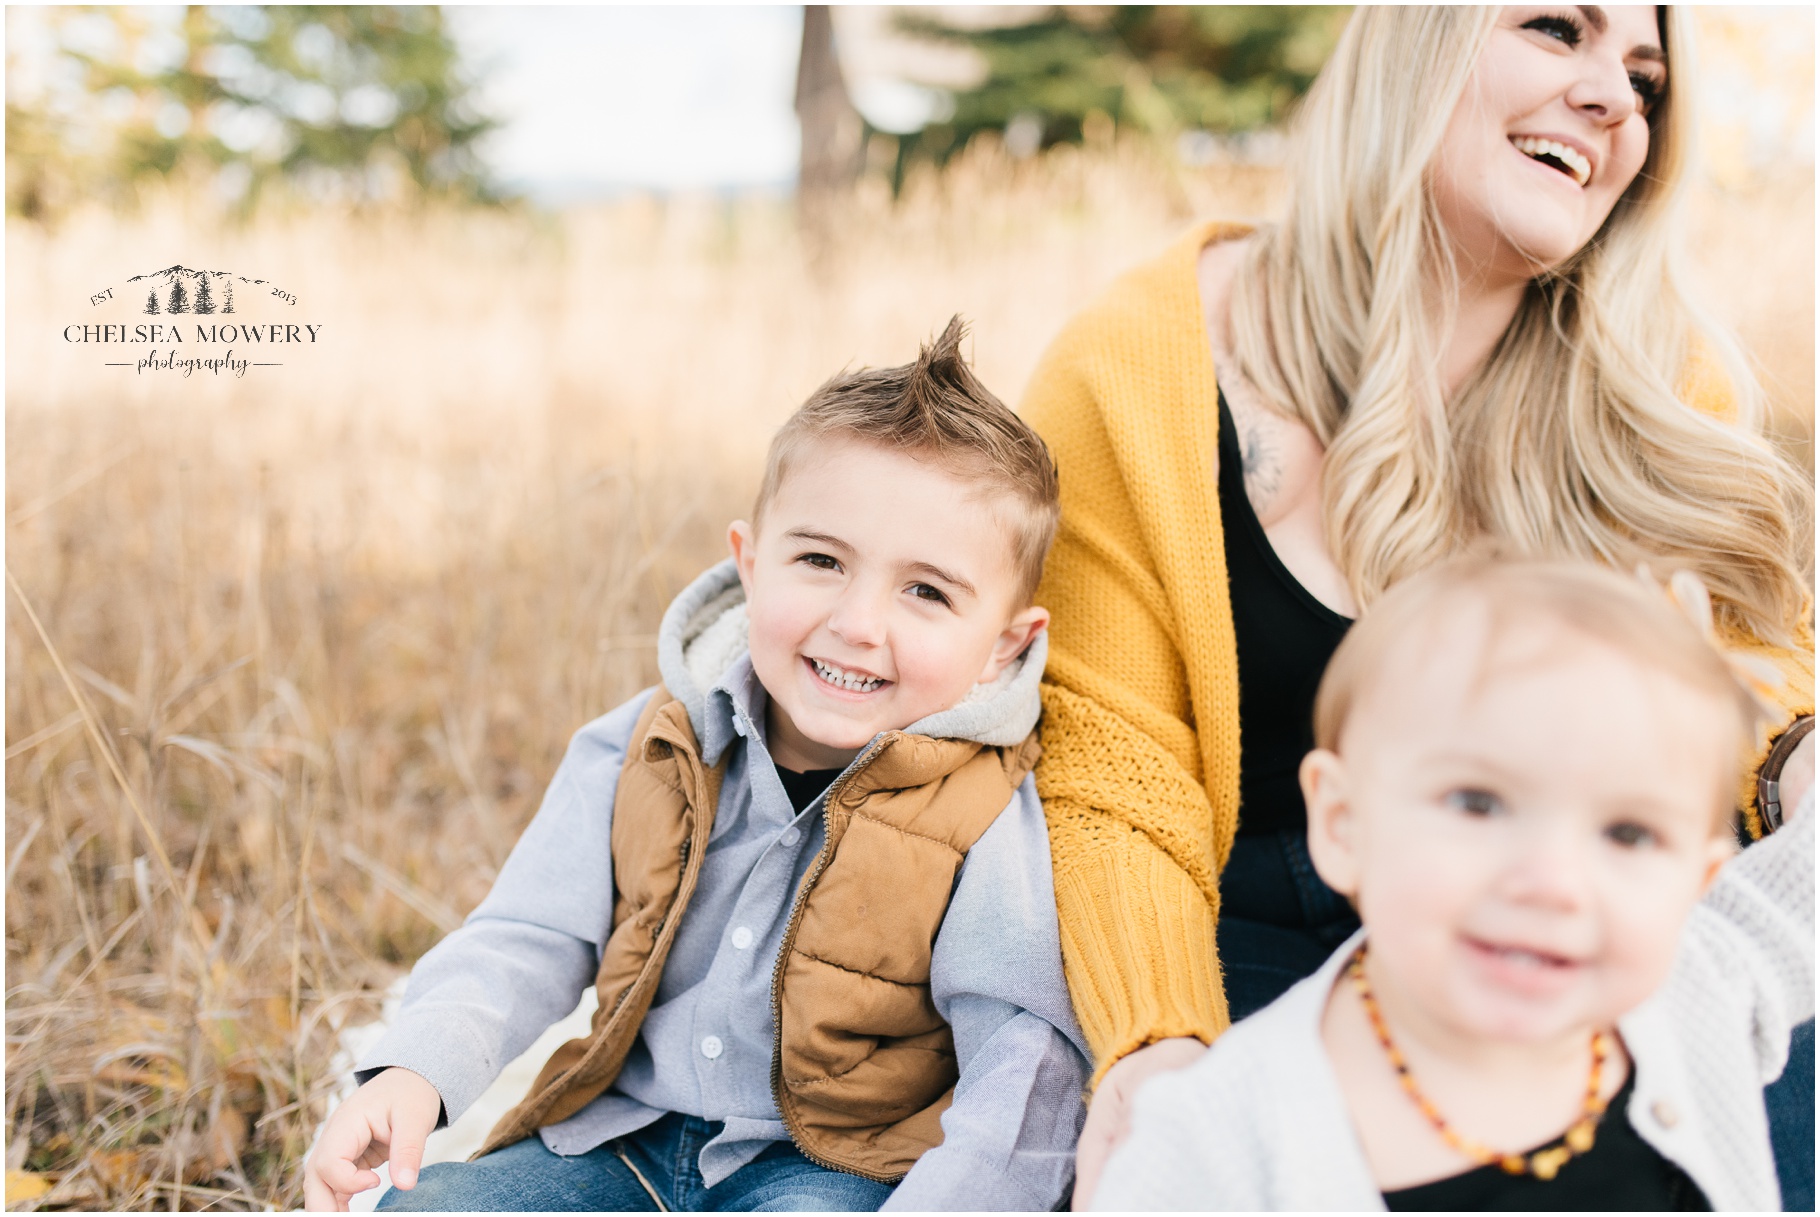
[25,1186]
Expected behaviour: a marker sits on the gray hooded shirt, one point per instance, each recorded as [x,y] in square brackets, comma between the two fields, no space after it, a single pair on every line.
[526,954]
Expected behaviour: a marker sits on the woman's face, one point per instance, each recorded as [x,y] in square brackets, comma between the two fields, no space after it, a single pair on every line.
[1549,133]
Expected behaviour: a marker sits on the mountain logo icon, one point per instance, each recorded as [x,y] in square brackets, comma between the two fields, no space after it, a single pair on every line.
[180,289]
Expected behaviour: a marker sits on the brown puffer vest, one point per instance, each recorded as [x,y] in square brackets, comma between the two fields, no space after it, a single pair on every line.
[863,1065]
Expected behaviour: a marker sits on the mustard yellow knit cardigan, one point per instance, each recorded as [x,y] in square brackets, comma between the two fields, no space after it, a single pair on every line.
[1140,768]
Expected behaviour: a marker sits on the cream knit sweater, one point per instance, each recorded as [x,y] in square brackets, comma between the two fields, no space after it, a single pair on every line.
[1140,733]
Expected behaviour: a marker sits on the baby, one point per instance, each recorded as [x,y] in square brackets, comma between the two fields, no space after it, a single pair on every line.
[1564,995]
[808,876]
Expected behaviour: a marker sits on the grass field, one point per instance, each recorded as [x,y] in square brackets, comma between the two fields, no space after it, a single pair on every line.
[302,648]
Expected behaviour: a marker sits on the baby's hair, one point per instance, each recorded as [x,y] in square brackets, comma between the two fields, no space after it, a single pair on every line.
[1621,611]
[937,409]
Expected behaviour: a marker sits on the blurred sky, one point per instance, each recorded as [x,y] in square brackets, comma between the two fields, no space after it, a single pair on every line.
[597,98]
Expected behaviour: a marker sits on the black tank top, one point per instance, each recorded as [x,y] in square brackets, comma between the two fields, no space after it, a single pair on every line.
[1621,1173]
[1285,638]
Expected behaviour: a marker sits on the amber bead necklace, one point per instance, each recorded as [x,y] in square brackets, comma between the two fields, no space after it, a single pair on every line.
[1544,1163]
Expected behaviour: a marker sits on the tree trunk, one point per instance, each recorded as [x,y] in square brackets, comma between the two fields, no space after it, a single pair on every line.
[831,127]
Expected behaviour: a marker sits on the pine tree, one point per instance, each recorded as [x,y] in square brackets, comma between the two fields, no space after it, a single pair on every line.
[151,302]
[227,297]
[180,299]
[1156,69]
[205,302]
[399,94]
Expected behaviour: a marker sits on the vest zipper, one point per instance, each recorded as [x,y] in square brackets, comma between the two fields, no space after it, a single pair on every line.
[777,969]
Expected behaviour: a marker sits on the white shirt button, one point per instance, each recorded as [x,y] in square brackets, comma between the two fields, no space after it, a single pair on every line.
[791,835]
[742,938]
[712,1047]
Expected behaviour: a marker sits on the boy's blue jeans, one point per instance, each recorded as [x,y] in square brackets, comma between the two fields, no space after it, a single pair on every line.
[526,1177]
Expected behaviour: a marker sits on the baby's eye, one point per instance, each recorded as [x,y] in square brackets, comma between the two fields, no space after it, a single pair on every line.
[819,561]
[1475,802]
[1560,27]
[1631,835]
[923,591]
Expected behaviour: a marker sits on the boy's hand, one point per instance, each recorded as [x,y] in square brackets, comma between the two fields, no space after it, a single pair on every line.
[389,1117]
[1109,1115]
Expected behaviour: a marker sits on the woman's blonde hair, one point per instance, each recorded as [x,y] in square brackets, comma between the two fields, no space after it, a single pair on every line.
[1573,439]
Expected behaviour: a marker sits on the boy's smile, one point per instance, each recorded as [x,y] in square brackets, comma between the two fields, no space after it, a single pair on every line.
[880,588]
[850,680]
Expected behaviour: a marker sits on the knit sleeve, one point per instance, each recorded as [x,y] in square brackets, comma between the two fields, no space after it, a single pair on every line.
[1132,831]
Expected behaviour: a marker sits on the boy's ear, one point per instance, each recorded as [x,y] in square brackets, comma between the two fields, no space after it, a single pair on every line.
[1332,828]
[743,544]
[1012,640]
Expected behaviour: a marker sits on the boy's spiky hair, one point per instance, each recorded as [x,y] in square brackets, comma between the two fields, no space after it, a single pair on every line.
[937,409]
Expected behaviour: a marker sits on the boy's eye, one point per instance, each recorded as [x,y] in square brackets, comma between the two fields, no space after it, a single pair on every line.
[819,561]
[1630,834]
[1474,802]
[1561,27]
[922,591]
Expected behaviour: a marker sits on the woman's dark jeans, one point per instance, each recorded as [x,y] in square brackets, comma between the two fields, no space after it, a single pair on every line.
[1790,1100]
[1279,923]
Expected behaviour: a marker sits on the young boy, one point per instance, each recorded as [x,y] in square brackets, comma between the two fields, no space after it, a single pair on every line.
[808,875]
[1564,996]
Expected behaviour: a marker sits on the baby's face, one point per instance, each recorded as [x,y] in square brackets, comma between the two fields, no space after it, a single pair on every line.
[880,589]
[1524,833]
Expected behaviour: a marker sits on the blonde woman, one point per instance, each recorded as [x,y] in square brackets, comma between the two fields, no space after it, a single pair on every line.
[1470,324]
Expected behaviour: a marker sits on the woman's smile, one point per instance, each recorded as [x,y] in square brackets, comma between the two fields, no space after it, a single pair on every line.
[1565,156]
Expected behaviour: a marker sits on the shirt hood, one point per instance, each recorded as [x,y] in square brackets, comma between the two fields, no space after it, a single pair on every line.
[703,634]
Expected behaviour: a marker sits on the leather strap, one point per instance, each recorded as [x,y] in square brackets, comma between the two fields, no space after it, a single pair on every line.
[1769,793]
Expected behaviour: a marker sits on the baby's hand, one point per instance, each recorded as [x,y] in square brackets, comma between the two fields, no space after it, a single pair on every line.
[1109,1115]
[389,1117]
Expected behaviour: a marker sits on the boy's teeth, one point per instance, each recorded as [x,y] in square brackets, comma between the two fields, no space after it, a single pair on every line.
[844,679]
[1570,158]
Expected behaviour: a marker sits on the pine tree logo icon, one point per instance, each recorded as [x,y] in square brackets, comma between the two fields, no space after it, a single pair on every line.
[184,290]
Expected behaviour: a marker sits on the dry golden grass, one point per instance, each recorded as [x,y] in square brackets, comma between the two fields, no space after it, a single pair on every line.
[314,640]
